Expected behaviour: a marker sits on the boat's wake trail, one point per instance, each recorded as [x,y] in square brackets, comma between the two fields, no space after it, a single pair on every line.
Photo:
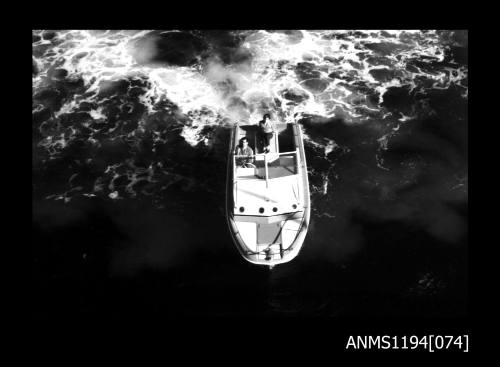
[114,95]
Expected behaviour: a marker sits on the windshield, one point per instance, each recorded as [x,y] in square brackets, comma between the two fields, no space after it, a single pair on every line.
[262,166]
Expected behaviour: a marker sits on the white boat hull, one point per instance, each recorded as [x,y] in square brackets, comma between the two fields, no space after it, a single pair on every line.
[268,206]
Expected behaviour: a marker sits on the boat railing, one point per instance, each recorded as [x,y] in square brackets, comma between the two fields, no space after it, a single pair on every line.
[265,154]
[265,158]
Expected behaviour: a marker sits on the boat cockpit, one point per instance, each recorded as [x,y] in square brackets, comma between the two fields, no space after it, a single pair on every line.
[281,161]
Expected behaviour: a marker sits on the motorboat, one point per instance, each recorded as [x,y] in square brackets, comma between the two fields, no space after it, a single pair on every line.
[267,194]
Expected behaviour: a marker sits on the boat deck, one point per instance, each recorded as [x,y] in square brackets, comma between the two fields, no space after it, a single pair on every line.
[281,195]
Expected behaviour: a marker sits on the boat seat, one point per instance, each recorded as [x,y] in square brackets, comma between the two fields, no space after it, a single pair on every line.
[244,172]
[271,157]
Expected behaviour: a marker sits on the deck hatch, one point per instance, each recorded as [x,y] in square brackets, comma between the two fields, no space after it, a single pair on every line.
[268,233]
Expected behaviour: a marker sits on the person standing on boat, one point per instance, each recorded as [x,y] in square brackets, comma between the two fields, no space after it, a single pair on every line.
[266,131]
[244,150]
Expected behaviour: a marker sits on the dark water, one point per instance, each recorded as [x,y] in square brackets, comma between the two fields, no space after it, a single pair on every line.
[130,135]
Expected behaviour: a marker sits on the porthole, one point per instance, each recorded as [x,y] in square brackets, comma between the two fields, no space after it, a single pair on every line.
[275,209]
[242,209]
[261,210]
